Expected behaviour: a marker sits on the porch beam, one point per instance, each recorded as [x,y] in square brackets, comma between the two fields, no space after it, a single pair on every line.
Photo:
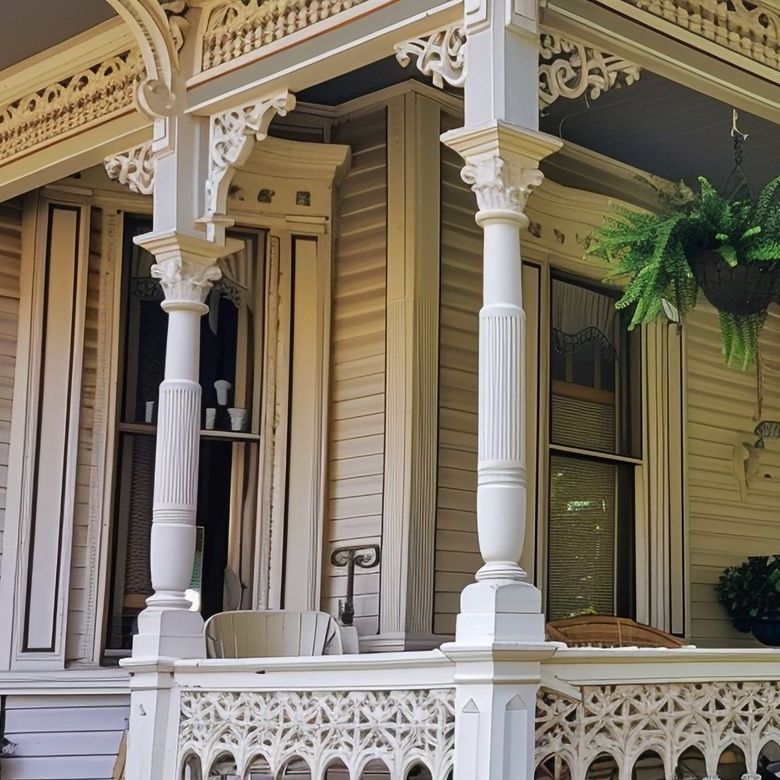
[340,50]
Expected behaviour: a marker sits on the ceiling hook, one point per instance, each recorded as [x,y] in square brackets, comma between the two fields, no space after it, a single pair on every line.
[735,131]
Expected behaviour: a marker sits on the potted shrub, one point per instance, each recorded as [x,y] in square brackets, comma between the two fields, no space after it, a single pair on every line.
[726,245]
[750,594]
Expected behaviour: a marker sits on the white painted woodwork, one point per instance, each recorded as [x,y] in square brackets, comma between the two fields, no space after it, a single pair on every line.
[457,551]
[92,511]
[10,268]
[64,737]
[305,512]
[727,524]
[408,520]
[36,578]
[357,405]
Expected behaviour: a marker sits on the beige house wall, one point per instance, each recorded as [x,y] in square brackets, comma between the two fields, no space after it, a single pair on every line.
[727,524]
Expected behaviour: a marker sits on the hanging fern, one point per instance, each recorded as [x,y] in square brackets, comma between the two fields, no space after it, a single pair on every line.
[651,255]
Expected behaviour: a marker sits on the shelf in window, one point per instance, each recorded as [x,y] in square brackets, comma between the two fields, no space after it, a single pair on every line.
[145,429]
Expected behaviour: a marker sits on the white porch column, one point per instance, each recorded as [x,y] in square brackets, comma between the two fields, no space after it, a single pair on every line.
[500,640]
[186,269]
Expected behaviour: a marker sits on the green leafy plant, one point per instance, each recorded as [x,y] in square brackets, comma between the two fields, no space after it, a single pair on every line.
[750,592]
[655,255]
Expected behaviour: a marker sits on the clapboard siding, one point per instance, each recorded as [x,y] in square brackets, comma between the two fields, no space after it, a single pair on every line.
[722,411]
[457,553]
[64,737]
[357,410]
[10,264]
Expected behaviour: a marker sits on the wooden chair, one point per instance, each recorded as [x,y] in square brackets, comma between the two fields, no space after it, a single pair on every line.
[607,631]
[271,634]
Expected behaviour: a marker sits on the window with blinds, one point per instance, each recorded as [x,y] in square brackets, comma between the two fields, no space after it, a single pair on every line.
[594,451]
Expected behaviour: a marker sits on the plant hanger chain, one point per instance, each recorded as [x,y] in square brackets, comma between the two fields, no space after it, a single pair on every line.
[738,174]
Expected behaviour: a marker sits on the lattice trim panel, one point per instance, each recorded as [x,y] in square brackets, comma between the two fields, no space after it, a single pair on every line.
[237,27]
[750,29]
[624,721]
[399,728]
[69,105]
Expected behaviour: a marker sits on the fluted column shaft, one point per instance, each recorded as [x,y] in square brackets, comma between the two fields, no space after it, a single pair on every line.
[186,268]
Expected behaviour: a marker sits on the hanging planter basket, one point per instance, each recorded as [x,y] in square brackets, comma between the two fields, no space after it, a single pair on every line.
[743,289]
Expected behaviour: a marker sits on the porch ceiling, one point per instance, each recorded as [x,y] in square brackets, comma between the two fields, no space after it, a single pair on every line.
[668,130]
[31,26]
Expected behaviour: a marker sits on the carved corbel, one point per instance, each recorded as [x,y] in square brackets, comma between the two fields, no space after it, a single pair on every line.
[134,168]
[567,68]
[232,138]
[440,55]
[570,69]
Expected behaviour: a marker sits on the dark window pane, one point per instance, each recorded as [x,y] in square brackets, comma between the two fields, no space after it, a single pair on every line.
[590,538]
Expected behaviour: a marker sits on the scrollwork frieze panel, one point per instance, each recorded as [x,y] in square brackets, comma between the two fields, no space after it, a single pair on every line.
[76,102]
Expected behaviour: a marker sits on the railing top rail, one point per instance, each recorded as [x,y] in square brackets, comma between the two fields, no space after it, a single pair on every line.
[625,665]
[380,671]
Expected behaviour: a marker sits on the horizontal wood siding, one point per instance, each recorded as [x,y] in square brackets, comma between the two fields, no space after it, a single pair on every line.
[64,737]
[10,265]
[722,411]
[356,448]
[457,553]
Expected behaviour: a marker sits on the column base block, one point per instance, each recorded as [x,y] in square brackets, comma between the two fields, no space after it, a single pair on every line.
[169,633]
[495,611]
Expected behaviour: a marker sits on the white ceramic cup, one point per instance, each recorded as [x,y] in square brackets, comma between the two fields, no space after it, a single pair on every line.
[222,386]
[238,419]
[149,412]
[211,417]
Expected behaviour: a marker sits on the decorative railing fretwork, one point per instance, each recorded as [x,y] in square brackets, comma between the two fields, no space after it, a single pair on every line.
[69,105]
[750,29]
[237,27]
[626,721]
[400,728]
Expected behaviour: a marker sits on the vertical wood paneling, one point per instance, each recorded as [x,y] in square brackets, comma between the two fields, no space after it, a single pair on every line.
[357,406]
[724,529]
[82,580]
[10,263]
[457,552]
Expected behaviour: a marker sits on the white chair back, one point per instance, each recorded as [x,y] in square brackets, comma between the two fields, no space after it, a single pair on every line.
[271,634]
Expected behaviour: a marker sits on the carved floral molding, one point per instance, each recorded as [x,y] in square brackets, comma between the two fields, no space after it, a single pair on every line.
[176,11]
[399,728]
[236,27]
[624,721]
[69,105]
[570,69]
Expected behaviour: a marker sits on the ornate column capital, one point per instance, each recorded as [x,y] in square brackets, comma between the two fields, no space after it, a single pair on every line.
[502,166]
[186,267]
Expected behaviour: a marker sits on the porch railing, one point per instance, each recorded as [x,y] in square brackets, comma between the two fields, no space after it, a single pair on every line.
[389,713]
[684,713]
[672,711]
